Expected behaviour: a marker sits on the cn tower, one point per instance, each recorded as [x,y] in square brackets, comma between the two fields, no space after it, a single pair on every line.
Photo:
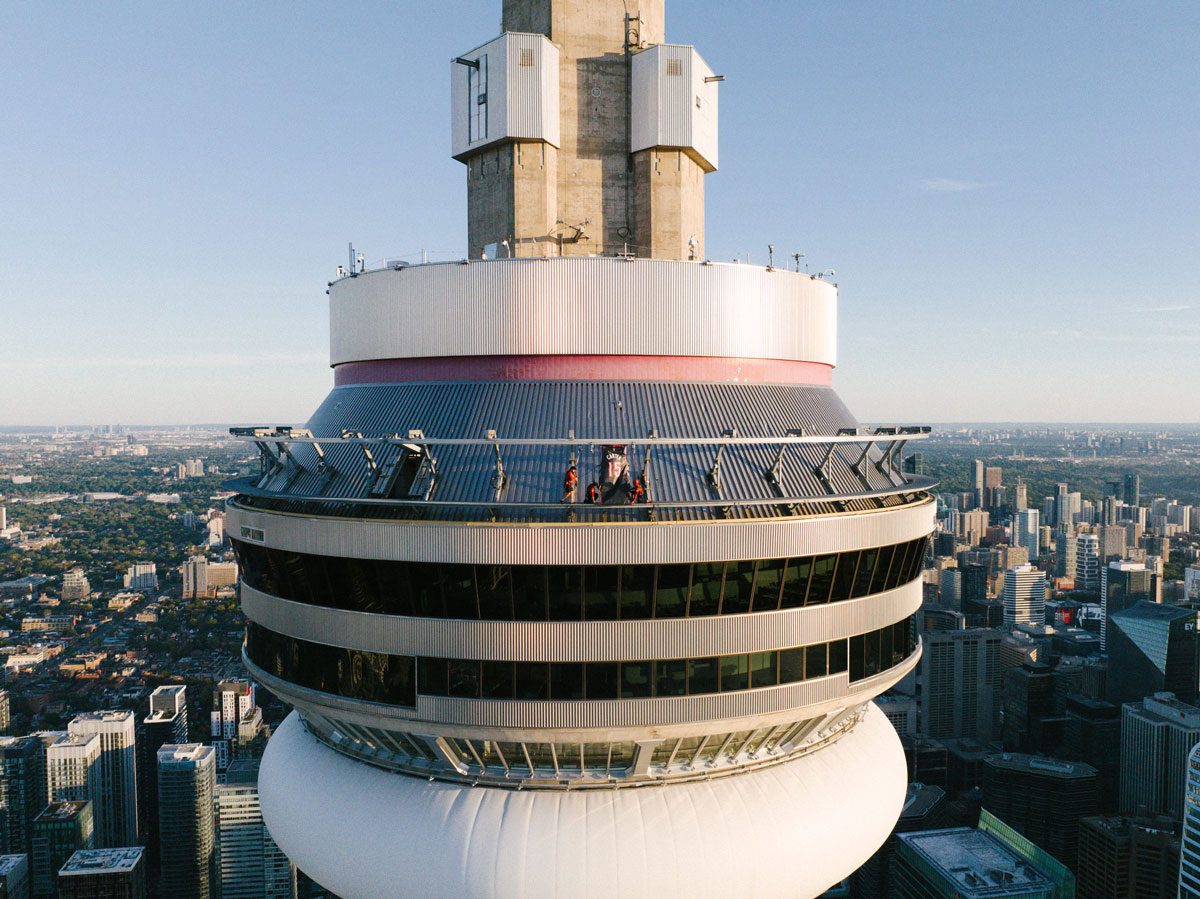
[582,578]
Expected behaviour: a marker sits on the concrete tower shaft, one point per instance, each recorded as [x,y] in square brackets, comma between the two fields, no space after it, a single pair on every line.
[556,167]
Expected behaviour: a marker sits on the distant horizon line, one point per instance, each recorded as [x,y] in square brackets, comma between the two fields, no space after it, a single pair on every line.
[958,423]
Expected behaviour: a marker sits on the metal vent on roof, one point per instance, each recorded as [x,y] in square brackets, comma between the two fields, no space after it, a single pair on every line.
[674,66]
[527,57]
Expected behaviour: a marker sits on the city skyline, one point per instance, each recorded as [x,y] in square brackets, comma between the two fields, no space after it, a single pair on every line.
[994,180]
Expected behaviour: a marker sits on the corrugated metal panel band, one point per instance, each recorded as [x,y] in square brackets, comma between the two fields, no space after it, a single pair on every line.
[581,641]
[584,544]
[583,305]
[622,411]
[714,712]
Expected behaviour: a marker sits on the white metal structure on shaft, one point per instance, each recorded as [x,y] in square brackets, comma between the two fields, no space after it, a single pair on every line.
[787,830]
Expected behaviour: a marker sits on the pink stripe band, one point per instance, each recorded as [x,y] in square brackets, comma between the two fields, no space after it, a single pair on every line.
[582,368]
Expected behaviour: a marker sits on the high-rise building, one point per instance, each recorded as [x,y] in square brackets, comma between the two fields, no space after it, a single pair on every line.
[59,830]
[187,780]
[1153,648]
[141,576]
[166,723]
[115,809]
[195,577]
[118,873]
[1122,585]
[16,878]
[22,791]
[235,718]
[71,772]
[75,585]
[5,711]
[1157,734]
[1087,562]
[1112,543]
[978,483]
[493,643]
[1031,723]
[1042,799]
[1133,490]
[991,483]
[991,862]
[250,865]
[975,603]
[1123,857]
[1092,734]
[1024,596]
[1065,562]
[1027,531]
[950,588]
[1021,501]
[1189,861]
[961,684]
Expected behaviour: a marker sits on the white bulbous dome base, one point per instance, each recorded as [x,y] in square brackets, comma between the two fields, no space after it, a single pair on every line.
[791,830]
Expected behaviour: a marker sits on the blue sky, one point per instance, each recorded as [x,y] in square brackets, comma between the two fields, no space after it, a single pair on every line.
[1009,192]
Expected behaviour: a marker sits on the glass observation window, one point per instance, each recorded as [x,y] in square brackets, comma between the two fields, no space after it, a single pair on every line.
[575,592]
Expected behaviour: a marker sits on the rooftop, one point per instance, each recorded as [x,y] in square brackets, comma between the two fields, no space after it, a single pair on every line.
[62,810]
[184,752]
[1154,611]
[1014,761]
[920,799]
[976,863]
[1167,708]
[113,715]
[9,863]
[102,861]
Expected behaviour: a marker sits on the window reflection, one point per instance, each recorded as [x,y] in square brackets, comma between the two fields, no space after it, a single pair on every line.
[577,593]
[863,655]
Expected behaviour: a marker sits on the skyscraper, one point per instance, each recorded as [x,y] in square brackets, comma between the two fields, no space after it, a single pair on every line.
[22,791]
[1189,854]
[1026,531]
[1153,648]
[1128,857]
[187,779]
[1087,562]
[1157,735]
[104,874]
[961,678]
[15,877]
[1064,555]
[59,830]
[1133,490]
[1024,596]
[115,808]
[581,515]
[1122,584]
[1042,799]
[249,863]
[71,772]
[992,862]
[235,718]
[166,723]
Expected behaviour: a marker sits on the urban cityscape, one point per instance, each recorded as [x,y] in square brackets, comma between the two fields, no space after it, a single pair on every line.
[582,579]
[1048,729]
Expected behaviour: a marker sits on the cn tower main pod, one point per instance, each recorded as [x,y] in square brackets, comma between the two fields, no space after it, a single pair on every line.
[582,579]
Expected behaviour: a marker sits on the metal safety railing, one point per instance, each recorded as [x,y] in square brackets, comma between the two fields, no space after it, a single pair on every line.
[407,478]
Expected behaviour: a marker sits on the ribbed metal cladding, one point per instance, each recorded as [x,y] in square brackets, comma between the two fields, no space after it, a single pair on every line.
[582,641]
[585,544]
[583,305]
[624,411]
[806,699]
